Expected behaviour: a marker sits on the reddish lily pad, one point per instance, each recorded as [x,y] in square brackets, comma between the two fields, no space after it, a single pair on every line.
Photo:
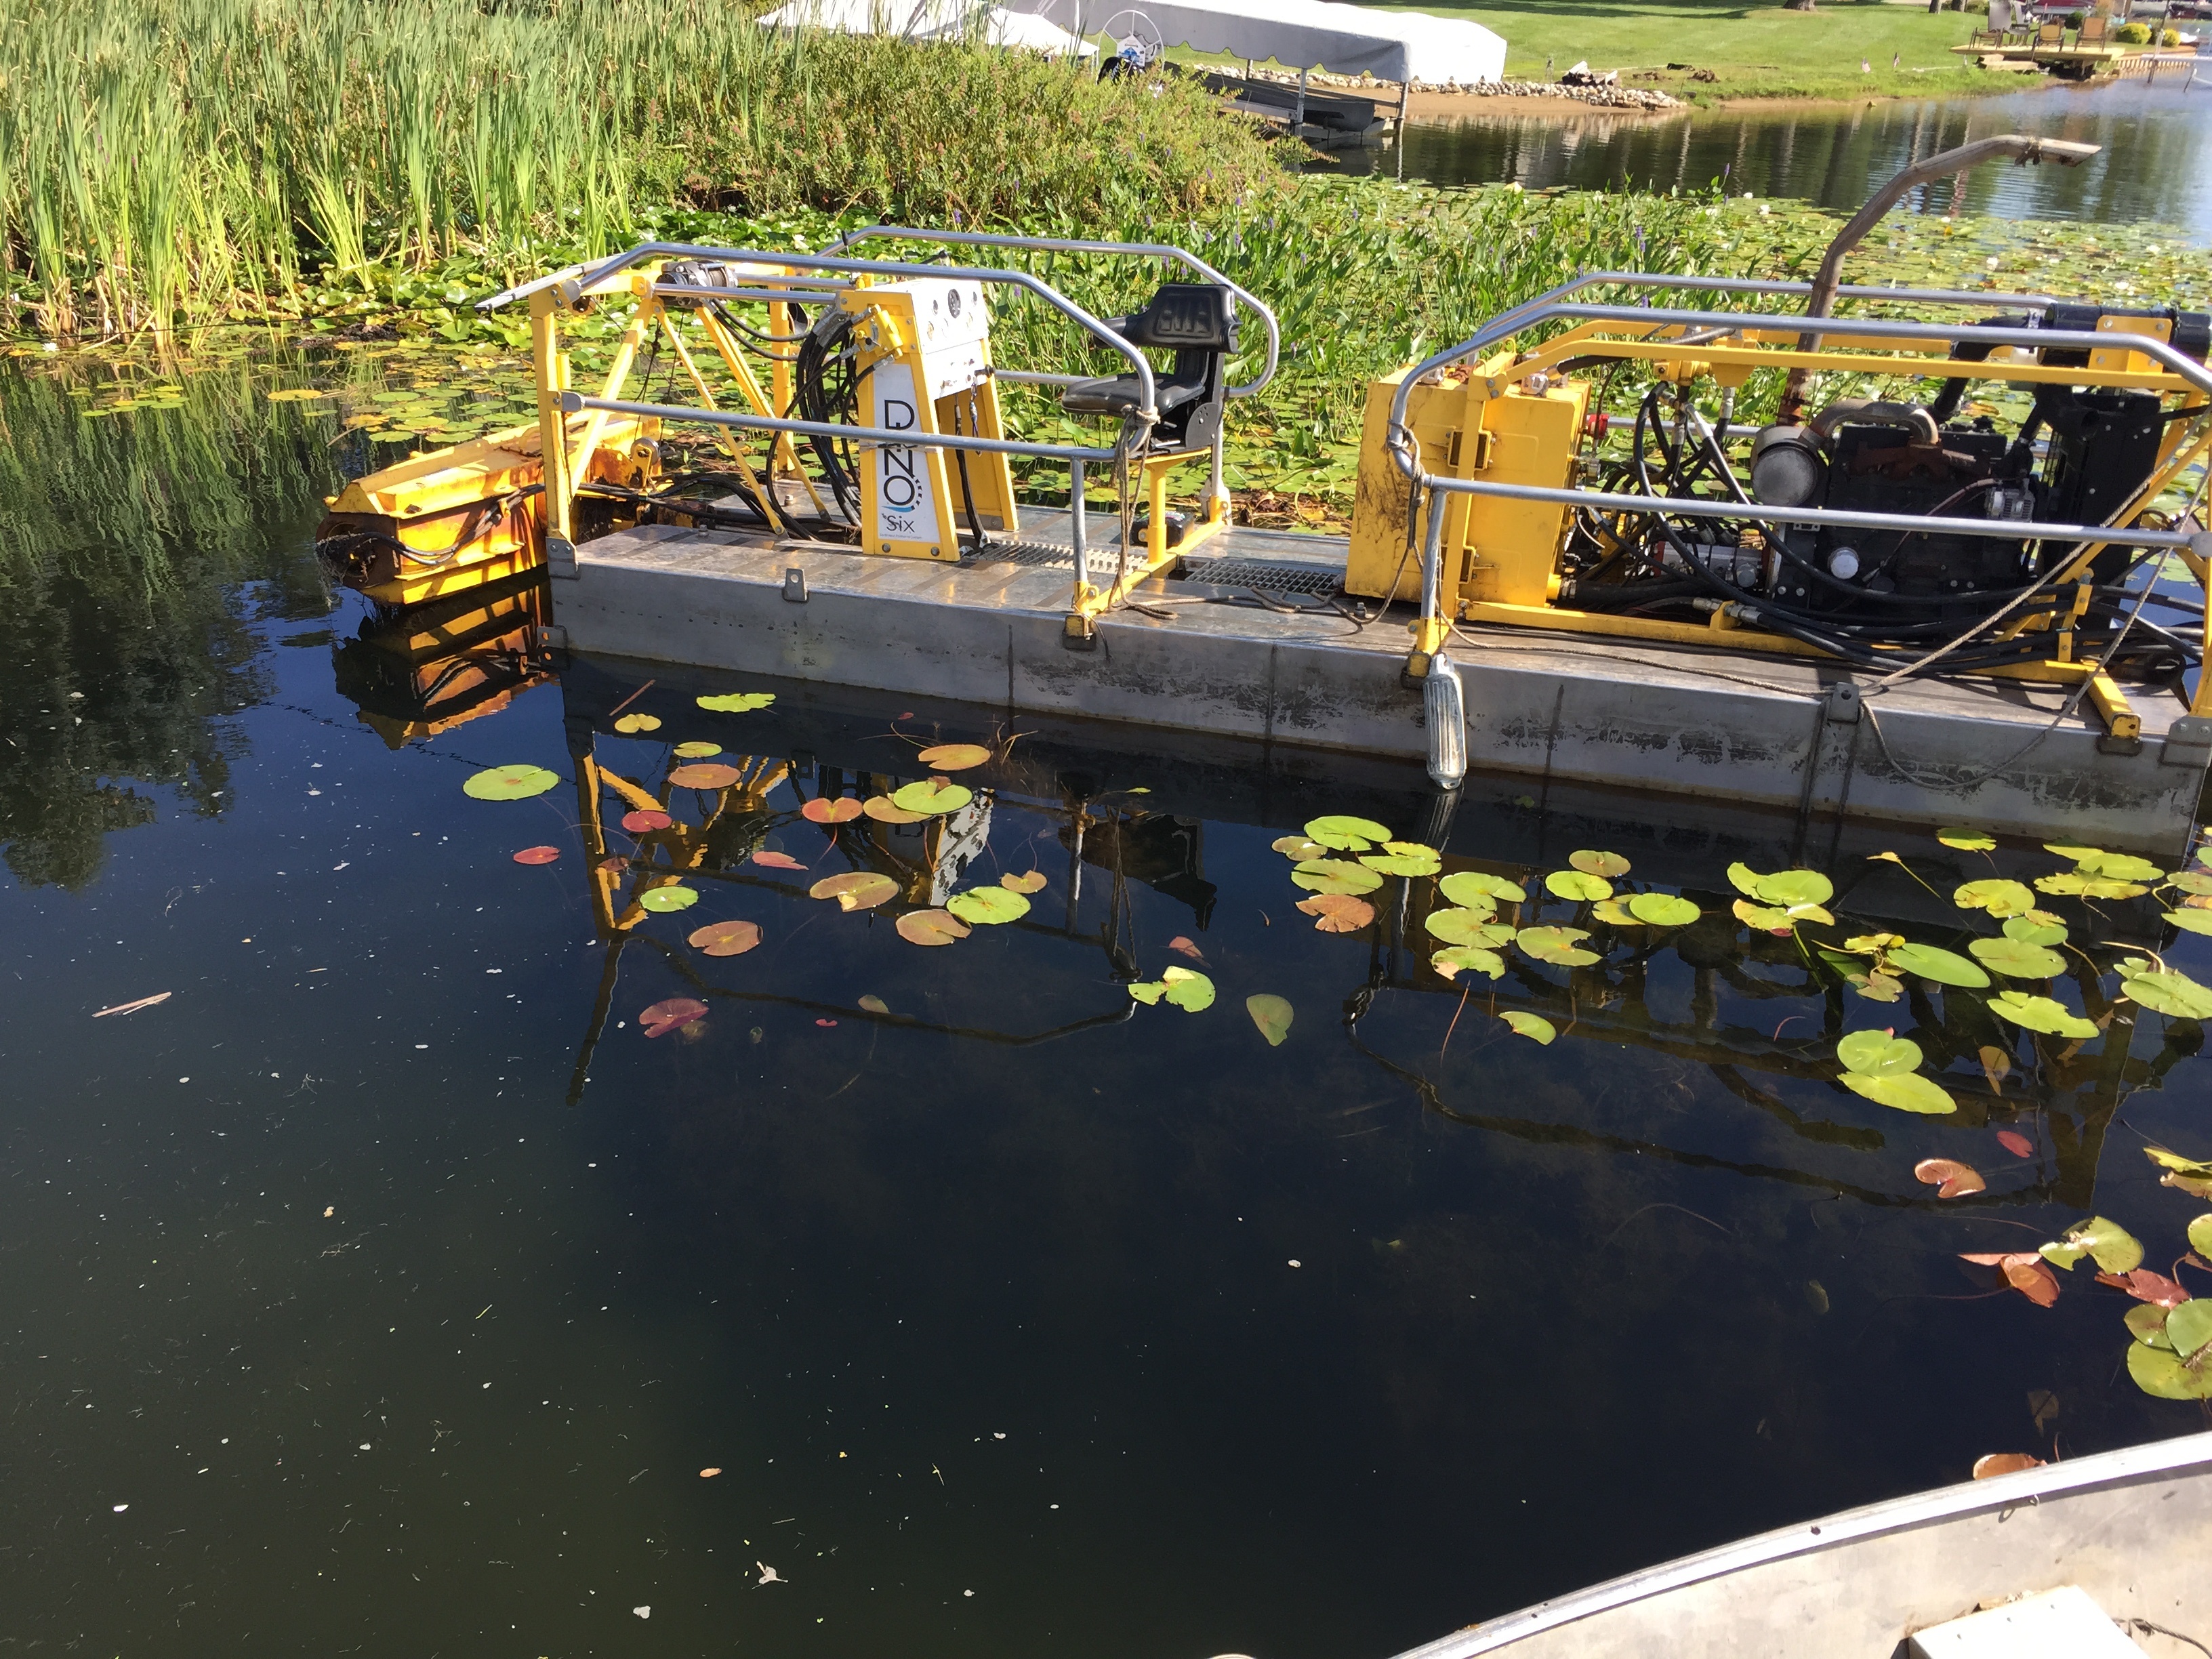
[856,889]
[703,774]
[841,809]
[775,860]
[931,927]
[884,810]
[726,938]
[645,820]
[1027,881]
[671,1015]
[1338,912]
[2024,1270]
[1949,1177]
[538,855]
[954,757]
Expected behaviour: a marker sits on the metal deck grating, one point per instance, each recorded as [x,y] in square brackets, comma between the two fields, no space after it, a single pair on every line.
[1322,580]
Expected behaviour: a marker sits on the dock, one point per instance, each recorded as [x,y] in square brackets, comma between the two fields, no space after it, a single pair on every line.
[1253,644]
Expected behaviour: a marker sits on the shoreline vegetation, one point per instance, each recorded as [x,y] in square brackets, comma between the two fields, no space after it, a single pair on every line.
[186,180]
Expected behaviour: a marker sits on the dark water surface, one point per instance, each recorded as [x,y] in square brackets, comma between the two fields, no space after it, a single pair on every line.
[385,1289]
[2156,165]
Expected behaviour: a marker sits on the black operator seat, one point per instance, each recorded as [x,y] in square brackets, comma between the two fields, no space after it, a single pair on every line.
[1197,321]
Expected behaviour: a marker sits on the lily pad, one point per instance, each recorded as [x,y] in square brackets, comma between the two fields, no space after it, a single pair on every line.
[2031,929]
[1532,1026]
[1949,1177]
[737,702]
[1944,966]
[1966,841]
[1999,898]
[2191,921]
[2200,1236]
[1298,849]
[1348,835]
[1338,912]
[670,1016]
[884,810]
[726,938]
[1790,887]
[2116,1249]
[1024,881]
[989,906]
[2167,992]
[1335,876]
[1875,986]
[1403,858]
[662,900]
[645,820]
[954,757]
[1272,1015]
[1613,914]
[1556,945]
[2120,866]
[1910,1092]
[2195,882]
[1188,989]
[1762,917]
[2162,1374]
[2189,1326]
[696,751]
[1663,909]
[1578,886]
[627,723]
[856,889]
[1745,879]
[2041,1014]
[2146,1322]
[931,927]
[538,855]
[932,798]
[1468,958]
[2014,960]
[1609,865]
[1878,1053]
[703,774]
[835,809]
[768,858]
[1466,886]
[2072,883]
[510,782]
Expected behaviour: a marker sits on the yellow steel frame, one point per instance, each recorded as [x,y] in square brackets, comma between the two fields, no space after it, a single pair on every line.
[1843,353]
[1092,601]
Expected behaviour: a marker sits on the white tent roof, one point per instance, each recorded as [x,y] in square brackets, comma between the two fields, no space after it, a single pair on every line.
[928,20]
[1392,45]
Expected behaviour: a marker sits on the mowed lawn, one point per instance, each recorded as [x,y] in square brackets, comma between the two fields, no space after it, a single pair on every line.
[1755,51]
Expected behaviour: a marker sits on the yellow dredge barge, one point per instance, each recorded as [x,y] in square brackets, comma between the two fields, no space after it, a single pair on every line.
[1880,606]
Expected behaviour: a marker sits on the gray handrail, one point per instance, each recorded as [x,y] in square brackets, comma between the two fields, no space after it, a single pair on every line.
[1064,245]
[1058,301]
[576,403]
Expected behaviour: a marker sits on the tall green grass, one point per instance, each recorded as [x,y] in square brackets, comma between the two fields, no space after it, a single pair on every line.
[160,159]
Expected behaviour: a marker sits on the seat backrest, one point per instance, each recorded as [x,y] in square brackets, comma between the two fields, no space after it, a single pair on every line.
[2093,28]
[2051,34]
[1184,317]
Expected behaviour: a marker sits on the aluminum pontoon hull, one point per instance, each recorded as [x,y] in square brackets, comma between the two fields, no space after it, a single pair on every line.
[1718,724]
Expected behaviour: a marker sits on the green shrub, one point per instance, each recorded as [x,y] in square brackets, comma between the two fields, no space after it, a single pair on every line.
[2132,35]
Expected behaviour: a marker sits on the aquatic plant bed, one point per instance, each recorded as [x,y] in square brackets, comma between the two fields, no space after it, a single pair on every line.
[1251,656]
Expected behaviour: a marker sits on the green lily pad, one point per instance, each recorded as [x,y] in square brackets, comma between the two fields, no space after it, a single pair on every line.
[1526,1024]
[1403,858]
[1613,914]
[1875,986]
[1466,886]
[1335,876]
[1764,917]
[2146,1322]
[2041,1014]
[2121,866]
[2200,1236]
[932,798]
[2191,921]
[1791,888]
[1910,1092]
[2067,850]
[2014,960]
[1556,945]
[988,905]
[1608,864]
[1272,1015]
[1999,898]
[2162,1374]
[1468,958]
[1348,835]
[1878,1053]
[510,782]
[1966,841]
[2072,883]
[1663,909]
[737,702]
[2167,992]
[1190,991]
[1298,849]
[1465,928]
[2117,1250]
[1944,966]
[2196,883]
[2029,930]
[1745,879]
[1576,885]
[2188,1327]
[664,899]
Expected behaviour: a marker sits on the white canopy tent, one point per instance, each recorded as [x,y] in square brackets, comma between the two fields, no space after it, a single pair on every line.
[932,20]
[1401,47]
